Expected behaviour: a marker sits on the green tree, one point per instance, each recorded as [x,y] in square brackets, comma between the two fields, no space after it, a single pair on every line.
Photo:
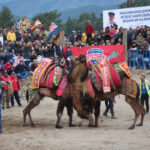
[48,18]
[6,17]
[70,25]
[136,3]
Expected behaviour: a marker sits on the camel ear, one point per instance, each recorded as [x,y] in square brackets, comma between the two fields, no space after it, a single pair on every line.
[82,58]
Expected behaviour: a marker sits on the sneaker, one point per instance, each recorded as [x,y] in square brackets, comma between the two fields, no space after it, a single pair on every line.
[113,117]
[3,107]
[104,114]
[8,107]
[20,105]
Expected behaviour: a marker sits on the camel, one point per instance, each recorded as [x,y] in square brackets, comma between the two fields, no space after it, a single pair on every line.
[78,77]
[64,100]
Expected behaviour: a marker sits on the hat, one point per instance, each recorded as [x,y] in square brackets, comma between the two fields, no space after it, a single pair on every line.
[111,13]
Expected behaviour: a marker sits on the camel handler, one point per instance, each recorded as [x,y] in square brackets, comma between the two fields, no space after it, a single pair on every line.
[2,86]
[144,92]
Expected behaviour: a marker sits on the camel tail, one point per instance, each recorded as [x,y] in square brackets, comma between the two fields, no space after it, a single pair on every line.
[27,95]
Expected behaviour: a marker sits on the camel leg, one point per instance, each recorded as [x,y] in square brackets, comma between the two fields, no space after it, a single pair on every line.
[134,106]
[78,106]
[142,110]
[30,106]
[70,112]
[97,112]
[60,109]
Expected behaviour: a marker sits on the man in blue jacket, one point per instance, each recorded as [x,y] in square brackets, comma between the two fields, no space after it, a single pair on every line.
[21,70]
[2,85]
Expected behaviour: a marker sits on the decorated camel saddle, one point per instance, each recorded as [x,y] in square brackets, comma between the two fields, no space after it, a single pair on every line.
[49,74]
[104,74]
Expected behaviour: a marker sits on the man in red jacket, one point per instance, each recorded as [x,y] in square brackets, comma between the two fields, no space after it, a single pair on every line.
[5,95]
[16,87]
[8,67]
[89,30]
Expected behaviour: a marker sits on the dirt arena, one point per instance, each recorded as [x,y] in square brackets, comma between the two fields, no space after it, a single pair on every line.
[112,134]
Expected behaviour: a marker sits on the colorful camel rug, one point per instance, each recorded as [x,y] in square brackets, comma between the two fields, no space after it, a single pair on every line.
[38,73]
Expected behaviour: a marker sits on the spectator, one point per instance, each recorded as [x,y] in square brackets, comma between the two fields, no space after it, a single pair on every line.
[79,37]
[11,36]
[34,65]
[139,37]
[6,46]
[27,50]
[144,45]
[18,35]
[57,49]
[16,88]
[17,47]
[21,70]
[5,95]
[17,60]
[73,37]
[89,30]
[84,37]
[2,86]
[50,49]
[68,55]
[8,67]
[1,38]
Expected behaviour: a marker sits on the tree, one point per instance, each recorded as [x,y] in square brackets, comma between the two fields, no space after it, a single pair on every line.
[136,3]
[6,17]
[48,18]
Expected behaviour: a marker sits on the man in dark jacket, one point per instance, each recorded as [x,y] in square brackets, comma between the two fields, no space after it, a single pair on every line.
[21,70]
[18,35]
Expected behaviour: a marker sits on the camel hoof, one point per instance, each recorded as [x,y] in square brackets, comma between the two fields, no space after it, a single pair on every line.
[140,124]
[72,125]
[90,125]
[131,128]
[32,124]
[58,126]
[95,126]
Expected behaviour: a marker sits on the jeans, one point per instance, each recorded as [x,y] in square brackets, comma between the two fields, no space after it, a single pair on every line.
[17,99]
[5,99]
[145,98]
[0,113]
[109,106]
[23,74]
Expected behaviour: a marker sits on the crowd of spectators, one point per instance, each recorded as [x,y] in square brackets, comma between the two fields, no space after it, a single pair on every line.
[139,38]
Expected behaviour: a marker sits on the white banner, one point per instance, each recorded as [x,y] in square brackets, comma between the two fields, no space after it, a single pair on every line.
[127,17]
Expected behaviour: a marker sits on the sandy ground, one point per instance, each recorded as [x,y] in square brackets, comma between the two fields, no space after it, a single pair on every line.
[111,134]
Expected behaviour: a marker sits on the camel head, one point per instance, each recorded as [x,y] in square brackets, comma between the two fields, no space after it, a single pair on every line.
[79,69]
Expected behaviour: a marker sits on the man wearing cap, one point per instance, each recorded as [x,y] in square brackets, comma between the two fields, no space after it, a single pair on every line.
[5,96]
[144,92]
[2,85]
[111,23]
[16,87]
